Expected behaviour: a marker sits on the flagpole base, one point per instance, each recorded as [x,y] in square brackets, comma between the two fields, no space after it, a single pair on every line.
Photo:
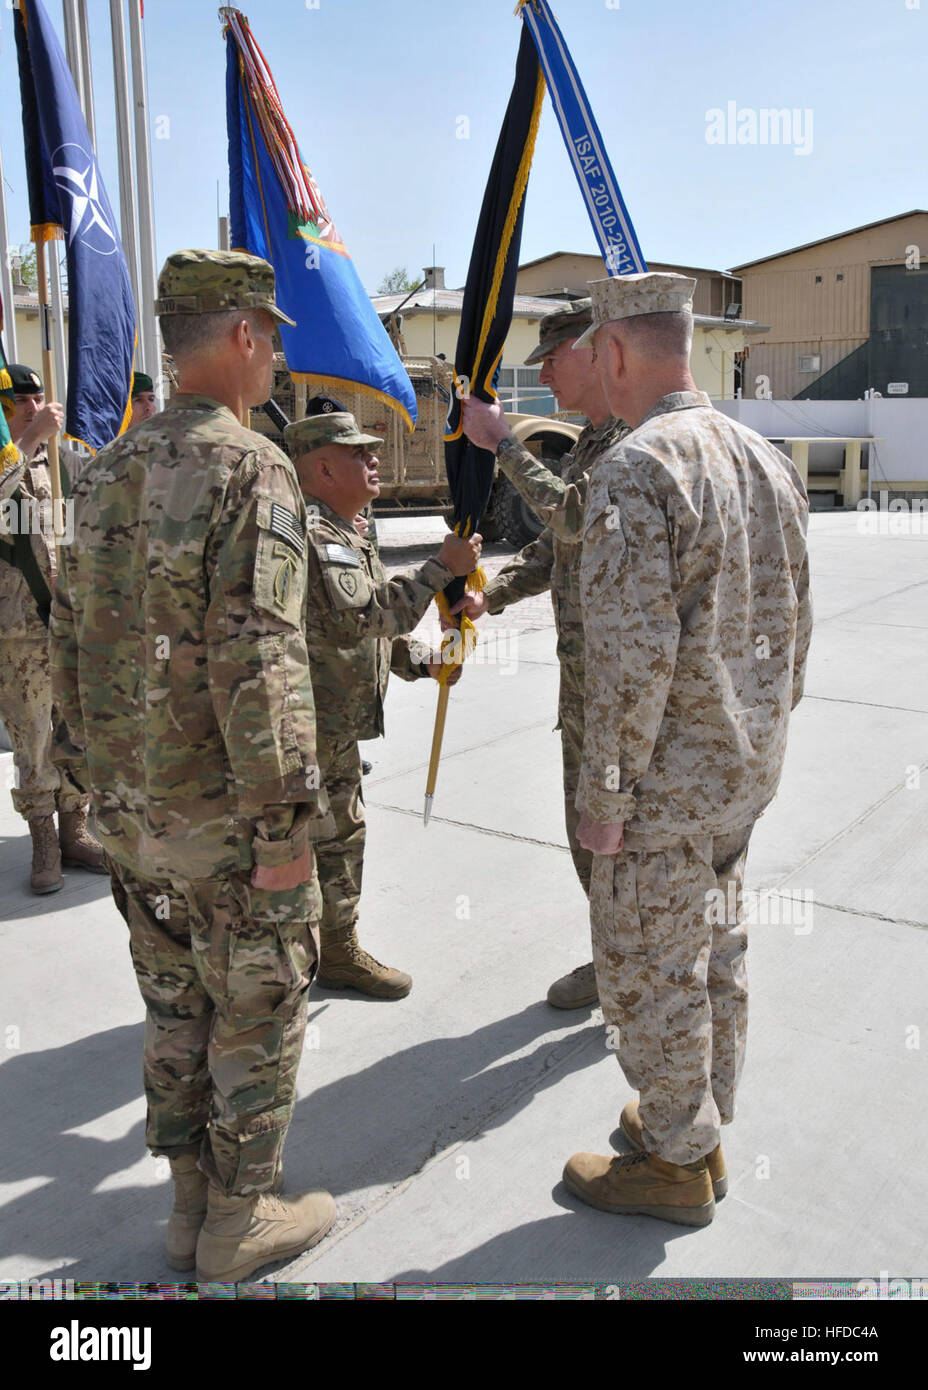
[427,809]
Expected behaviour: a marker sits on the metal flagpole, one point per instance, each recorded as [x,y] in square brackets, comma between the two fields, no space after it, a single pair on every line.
[126,162]
[86,70]
[72,44]
[150,335]
[6,278]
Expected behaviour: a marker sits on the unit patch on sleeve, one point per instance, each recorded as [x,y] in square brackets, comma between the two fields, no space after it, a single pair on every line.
[286,524]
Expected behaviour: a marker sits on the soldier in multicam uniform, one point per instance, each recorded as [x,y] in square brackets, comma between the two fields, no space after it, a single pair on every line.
[695,591]
[180,665]
[355,621]
[553,560]
[25,681]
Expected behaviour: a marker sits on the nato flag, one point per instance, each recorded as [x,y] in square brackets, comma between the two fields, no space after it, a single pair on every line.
[67,193]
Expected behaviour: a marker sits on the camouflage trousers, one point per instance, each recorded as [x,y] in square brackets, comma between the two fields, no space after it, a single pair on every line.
[570,724]
[224,970]
[670,968]
[26,711]
[341,859]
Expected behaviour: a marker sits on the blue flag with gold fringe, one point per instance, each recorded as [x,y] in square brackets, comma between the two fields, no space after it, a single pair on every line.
[276,210]
[67,198]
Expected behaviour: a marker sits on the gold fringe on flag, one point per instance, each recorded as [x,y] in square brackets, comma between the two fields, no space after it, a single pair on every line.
[46,231]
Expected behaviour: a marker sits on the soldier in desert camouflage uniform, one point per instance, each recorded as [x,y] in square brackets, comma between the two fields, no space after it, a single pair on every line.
[553,560]
[694,582]
[355,621]
[180,665]
[25,681]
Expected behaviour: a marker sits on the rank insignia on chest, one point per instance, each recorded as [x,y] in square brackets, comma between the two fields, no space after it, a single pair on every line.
[284,575]
[348,583]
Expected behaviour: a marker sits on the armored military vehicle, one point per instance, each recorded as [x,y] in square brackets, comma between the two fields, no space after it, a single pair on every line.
[412,466]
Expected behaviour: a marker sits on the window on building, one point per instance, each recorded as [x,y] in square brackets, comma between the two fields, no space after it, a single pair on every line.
[818,279]
[839,277]
[520,391]
[810,363]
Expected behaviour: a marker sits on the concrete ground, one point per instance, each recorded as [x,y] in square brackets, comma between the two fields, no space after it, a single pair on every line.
[442,1122]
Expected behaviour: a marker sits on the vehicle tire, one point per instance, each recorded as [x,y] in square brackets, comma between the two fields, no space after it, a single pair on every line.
[490,527]
[518,523]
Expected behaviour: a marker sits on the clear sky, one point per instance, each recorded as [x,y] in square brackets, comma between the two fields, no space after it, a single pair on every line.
[374,90]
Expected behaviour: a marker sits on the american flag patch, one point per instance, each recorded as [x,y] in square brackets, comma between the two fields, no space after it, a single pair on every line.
[286,525]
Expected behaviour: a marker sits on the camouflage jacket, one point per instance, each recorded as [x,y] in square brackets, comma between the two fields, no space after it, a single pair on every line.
[178,650]
[354,617]
[553,560]
[695,588]
[19,616]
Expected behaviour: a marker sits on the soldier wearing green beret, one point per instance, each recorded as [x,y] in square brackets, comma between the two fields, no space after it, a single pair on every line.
[144,405]
[356,621]
[180,666]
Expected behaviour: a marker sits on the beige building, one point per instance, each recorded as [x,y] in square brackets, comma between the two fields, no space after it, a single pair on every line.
[847,314]
[431,317]
[29,331]
[722,337]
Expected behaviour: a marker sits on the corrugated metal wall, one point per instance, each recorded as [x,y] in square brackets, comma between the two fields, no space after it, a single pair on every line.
[817,301]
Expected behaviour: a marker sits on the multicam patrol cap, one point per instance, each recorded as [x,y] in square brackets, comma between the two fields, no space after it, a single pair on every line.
[26,382]
[560,326]
[627,296]
[209,282]
[326,422]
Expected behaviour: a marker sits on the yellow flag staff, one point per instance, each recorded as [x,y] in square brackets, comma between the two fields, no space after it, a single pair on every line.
[486,315]
[456,644]
[40,235]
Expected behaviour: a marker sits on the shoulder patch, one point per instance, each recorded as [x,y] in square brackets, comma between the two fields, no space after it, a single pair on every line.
[342,555]
[286,525]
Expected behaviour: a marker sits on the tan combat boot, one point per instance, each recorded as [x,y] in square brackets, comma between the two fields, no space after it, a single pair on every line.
[642,1184]
[79,849]
[345,965]
[190,1187]
[46,856]
[240,1234]
[715,1162]
[576,990]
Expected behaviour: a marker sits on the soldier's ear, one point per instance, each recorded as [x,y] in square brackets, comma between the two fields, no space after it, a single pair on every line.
[612,354]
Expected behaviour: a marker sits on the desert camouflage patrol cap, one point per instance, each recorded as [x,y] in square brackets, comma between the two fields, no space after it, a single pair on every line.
[326,422]
[560,326]
[209,282]
[627,296]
